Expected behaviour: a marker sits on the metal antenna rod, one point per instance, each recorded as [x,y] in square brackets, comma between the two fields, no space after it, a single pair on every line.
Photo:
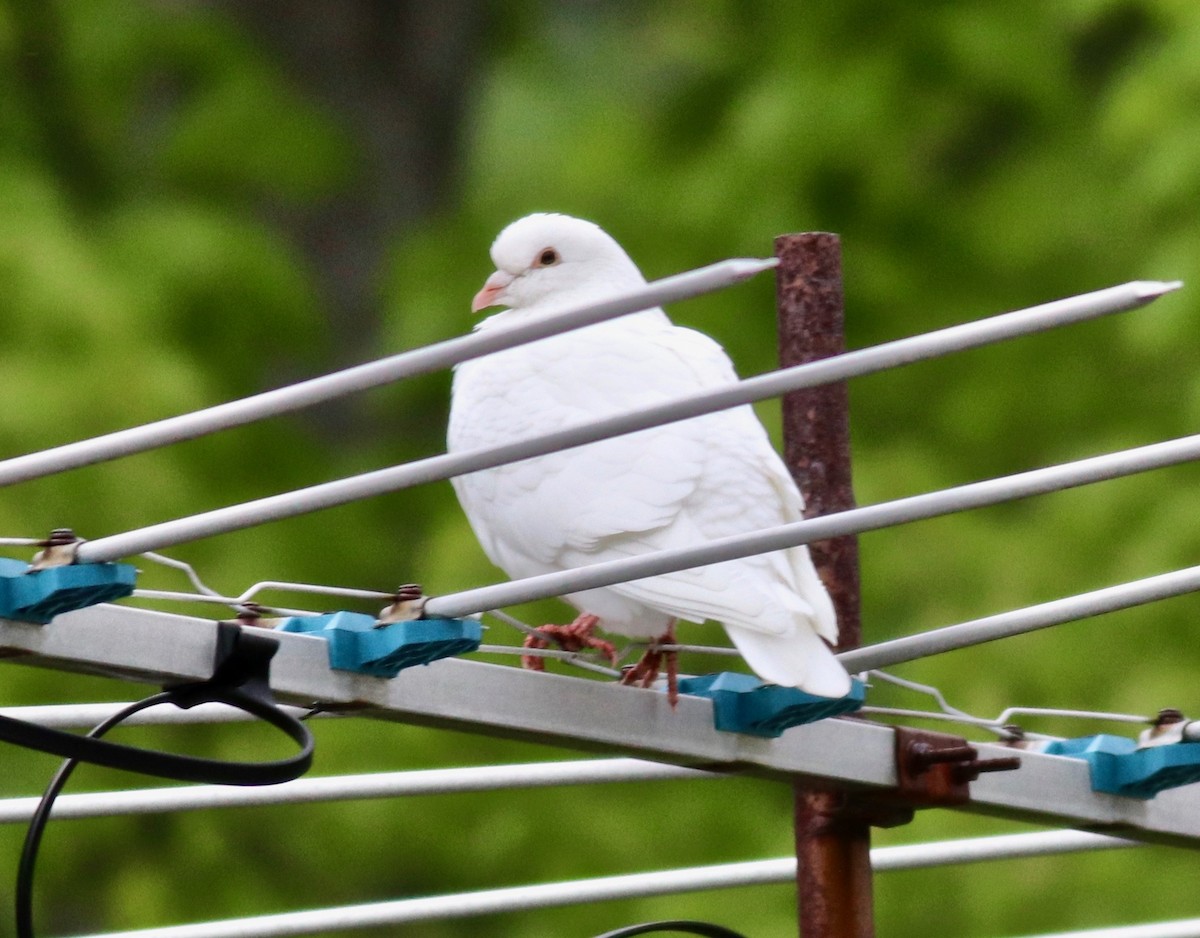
[372,374]
[509,899]
[436,468]
[869,518]
[1020,621]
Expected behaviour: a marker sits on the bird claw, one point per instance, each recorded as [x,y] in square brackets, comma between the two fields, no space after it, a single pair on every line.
[577,635]
[645,672]
[573,637]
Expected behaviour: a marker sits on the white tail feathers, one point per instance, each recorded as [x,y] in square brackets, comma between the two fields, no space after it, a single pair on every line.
[799,659]
[810,586]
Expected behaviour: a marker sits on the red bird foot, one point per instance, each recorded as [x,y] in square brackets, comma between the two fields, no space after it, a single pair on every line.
[573,637]
[645,672]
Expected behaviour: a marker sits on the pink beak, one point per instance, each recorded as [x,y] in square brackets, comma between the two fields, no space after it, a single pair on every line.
[490,295]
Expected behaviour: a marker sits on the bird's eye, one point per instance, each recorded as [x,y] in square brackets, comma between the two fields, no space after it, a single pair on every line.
[548,258]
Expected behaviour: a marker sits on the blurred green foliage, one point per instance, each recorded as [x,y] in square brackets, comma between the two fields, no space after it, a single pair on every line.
[974,157]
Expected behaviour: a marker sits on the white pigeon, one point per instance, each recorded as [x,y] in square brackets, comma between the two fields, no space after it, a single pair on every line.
[673,486]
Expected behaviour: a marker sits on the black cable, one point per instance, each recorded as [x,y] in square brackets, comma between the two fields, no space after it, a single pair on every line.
[240,679]
[169,765]
[706,929]
[37,824]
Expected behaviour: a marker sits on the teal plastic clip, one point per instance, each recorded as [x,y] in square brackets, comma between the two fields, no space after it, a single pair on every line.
[358,643]
[744,704]
[37,596]
[1120,767]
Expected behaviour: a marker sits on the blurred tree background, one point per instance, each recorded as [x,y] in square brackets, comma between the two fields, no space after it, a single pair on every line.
[200,200]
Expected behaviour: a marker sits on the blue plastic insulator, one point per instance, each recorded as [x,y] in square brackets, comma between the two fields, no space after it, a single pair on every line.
[1120,767]
[358,643]
[38,596]
[744,704]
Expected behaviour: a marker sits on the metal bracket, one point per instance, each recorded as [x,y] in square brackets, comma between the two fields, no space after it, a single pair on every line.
[58,550]
[936,769]
[846,810]
[408,605]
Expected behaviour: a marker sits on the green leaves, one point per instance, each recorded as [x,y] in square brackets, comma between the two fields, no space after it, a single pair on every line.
[156,165]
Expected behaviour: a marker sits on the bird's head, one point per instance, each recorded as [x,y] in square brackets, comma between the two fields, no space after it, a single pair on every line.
[547,260]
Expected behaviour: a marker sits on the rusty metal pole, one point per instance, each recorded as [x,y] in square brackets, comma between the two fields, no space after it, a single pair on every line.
[833,840]
[816,421]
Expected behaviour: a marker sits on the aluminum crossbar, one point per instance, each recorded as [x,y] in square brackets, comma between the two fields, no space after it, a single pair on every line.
[638,885]
[373,374]
[158,648]
[838,368]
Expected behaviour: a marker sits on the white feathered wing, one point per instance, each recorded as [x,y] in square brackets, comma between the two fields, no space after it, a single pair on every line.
[672,486]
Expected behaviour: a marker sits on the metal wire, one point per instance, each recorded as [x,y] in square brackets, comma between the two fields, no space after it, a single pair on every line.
[289,586]
[927,689]
[184,597]
[1002,725]
[1007,715]
[946,712]
[181,597]
[981,722]
[574,658]
[861,362]
[184,566]
[205,594]
[719,650]
[340,592]
[579,659]
[512,621]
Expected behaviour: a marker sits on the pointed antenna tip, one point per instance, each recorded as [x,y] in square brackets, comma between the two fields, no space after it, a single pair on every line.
[749,266]
[1152,289]
[743,268]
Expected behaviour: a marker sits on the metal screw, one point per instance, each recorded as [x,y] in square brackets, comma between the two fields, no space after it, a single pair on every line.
[924,755]
[970,771]
[249,613]
[965,761]
[408,603]
[408,593]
